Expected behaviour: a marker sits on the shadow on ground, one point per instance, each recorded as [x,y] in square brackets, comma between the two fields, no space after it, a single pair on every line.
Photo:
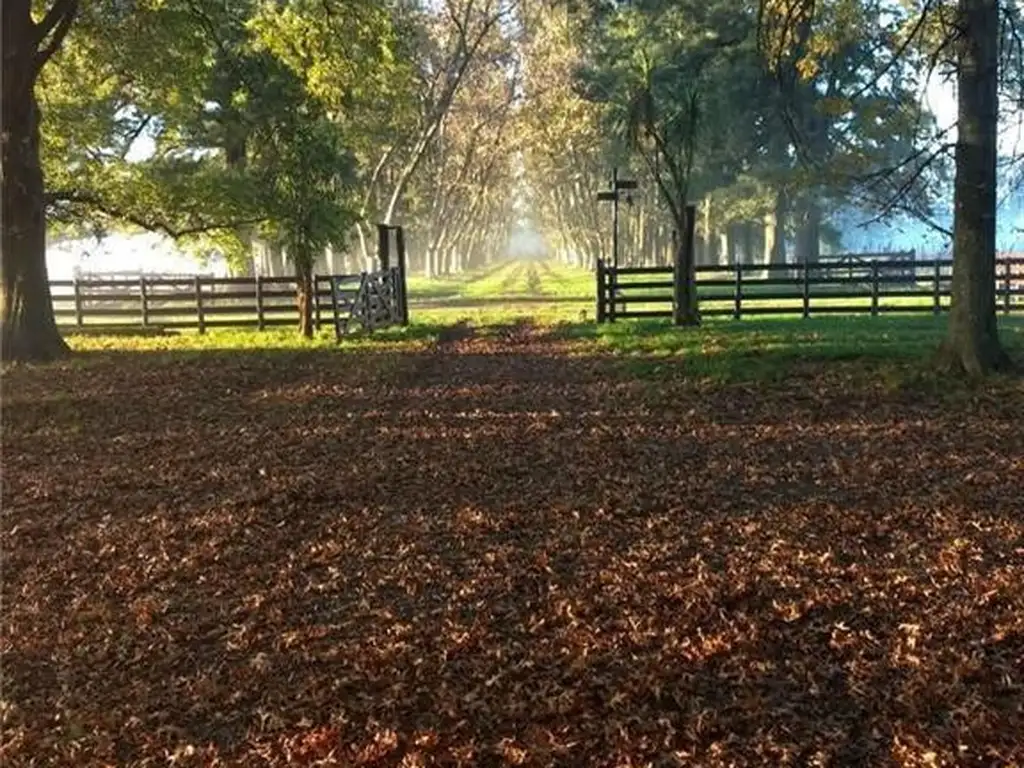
[492,550]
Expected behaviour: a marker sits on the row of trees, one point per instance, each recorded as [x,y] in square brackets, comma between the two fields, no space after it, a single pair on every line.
[769,113]
[290,126]
[295,125]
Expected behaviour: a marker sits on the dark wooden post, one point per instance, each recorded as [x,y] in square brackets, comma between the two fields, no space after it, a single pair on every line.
[334,308]
[316,301]
[937,289]
[383,247]
[395,314]
[600,291]
[807,289]
[142,299]
[403,288]
[199,304]
[364,290]
[1007,286]
[79,314]
[259,302]
[874,288]
[613,292]
[737,311]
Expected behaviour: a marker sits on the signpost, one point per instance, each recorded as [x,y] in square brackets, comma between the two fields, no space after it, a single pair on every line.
[612,196]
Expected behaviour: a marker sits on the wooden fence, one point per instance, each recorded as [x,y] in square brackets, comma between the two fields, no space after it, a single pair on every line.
[851,287]
[368,300]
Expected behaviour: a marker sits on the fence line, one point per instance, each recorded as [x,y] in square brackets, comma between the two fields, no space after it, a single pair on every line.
[370,299]
[848,287]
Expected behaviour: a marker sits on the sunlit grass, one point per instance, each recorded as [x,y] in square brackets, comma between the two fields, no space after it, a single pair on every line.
[897,348]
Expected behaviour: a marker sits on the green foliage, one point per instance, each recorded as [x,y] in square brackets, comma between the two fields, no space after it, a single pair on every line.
[238,137]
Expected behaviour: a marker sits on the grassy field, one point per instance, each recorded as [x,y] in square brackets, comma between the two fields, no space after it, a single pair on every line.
[555,291]
[522,541]
[548,291]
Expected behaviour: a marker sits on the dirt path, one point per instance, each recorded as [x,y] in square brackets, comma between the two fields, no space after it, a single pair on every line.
[492,551]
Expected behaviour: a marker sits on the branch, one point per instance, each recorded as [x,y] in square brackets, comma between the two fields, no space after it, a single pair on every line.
[900,50]
[91,201]
[55,26]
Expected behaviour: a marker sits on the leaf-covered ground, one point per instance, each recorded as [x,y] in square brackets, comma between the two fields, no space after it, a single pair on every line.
[505,549]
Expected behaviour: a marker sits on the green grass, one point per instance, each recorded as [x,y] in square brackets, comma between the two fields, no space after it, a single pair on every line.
[560,298]
[507,280]
[778,347]
[897,349]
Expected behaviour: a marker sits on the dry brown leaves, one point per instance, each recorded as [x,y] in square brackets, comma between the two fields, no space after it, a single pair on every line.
[494,553]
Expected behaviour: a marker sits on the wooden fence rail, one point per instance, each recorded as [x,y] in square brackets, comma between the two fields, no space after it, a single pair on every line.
[873,287]
[368,300]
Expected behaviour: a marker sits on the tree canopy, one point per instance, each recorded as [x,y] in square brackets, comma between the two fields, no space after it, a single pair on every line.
[296,125]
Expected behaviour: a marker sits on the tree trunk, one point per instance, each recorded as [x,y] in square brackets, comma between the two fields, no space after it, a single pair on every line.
[28,330]
[744,254]
[972,340]
[685,311]
[777,254]
[808,241]
[304,293]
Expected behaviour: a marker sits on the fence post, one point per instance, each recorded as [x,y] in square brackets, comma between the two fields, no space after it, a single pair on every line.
[1007,286]
[613,290]
[874,288]
[807,290]
[600,290]
[316,302]
[79,315]
[937,289]
[364,290]
[383,247]
[259,303]
[334,307]
[737,311]
[199,304]
[402,287]
[143,299]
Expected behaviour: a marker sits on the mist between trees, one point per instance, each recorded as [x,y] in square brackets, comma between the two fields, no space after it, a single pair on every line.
[280,133]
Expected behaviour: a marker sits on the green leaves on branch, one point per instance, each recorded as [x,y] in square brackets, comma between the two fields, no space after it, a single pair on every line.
[205,119]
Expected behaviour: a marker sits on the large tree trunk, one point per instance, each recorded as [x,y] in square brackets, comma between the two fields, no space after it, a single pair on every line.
[685,310]
[28,330]
[972,341]
[304,293]
[777,254]
[808,239]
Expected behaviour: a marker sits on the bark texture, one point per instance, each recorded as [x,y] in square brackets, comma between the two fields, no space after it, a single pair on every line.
[972,340]
[304,297]
[686,310]
[28,330]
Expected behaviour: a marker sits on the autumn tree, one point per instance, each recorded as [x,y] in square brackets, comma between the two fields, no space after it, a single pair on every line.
[28,330]
[795,33]
[241,143]
[566,153]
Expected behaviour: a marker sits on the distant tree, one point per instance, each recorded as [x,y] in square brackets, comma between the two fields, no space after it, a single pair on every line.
[665,73]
